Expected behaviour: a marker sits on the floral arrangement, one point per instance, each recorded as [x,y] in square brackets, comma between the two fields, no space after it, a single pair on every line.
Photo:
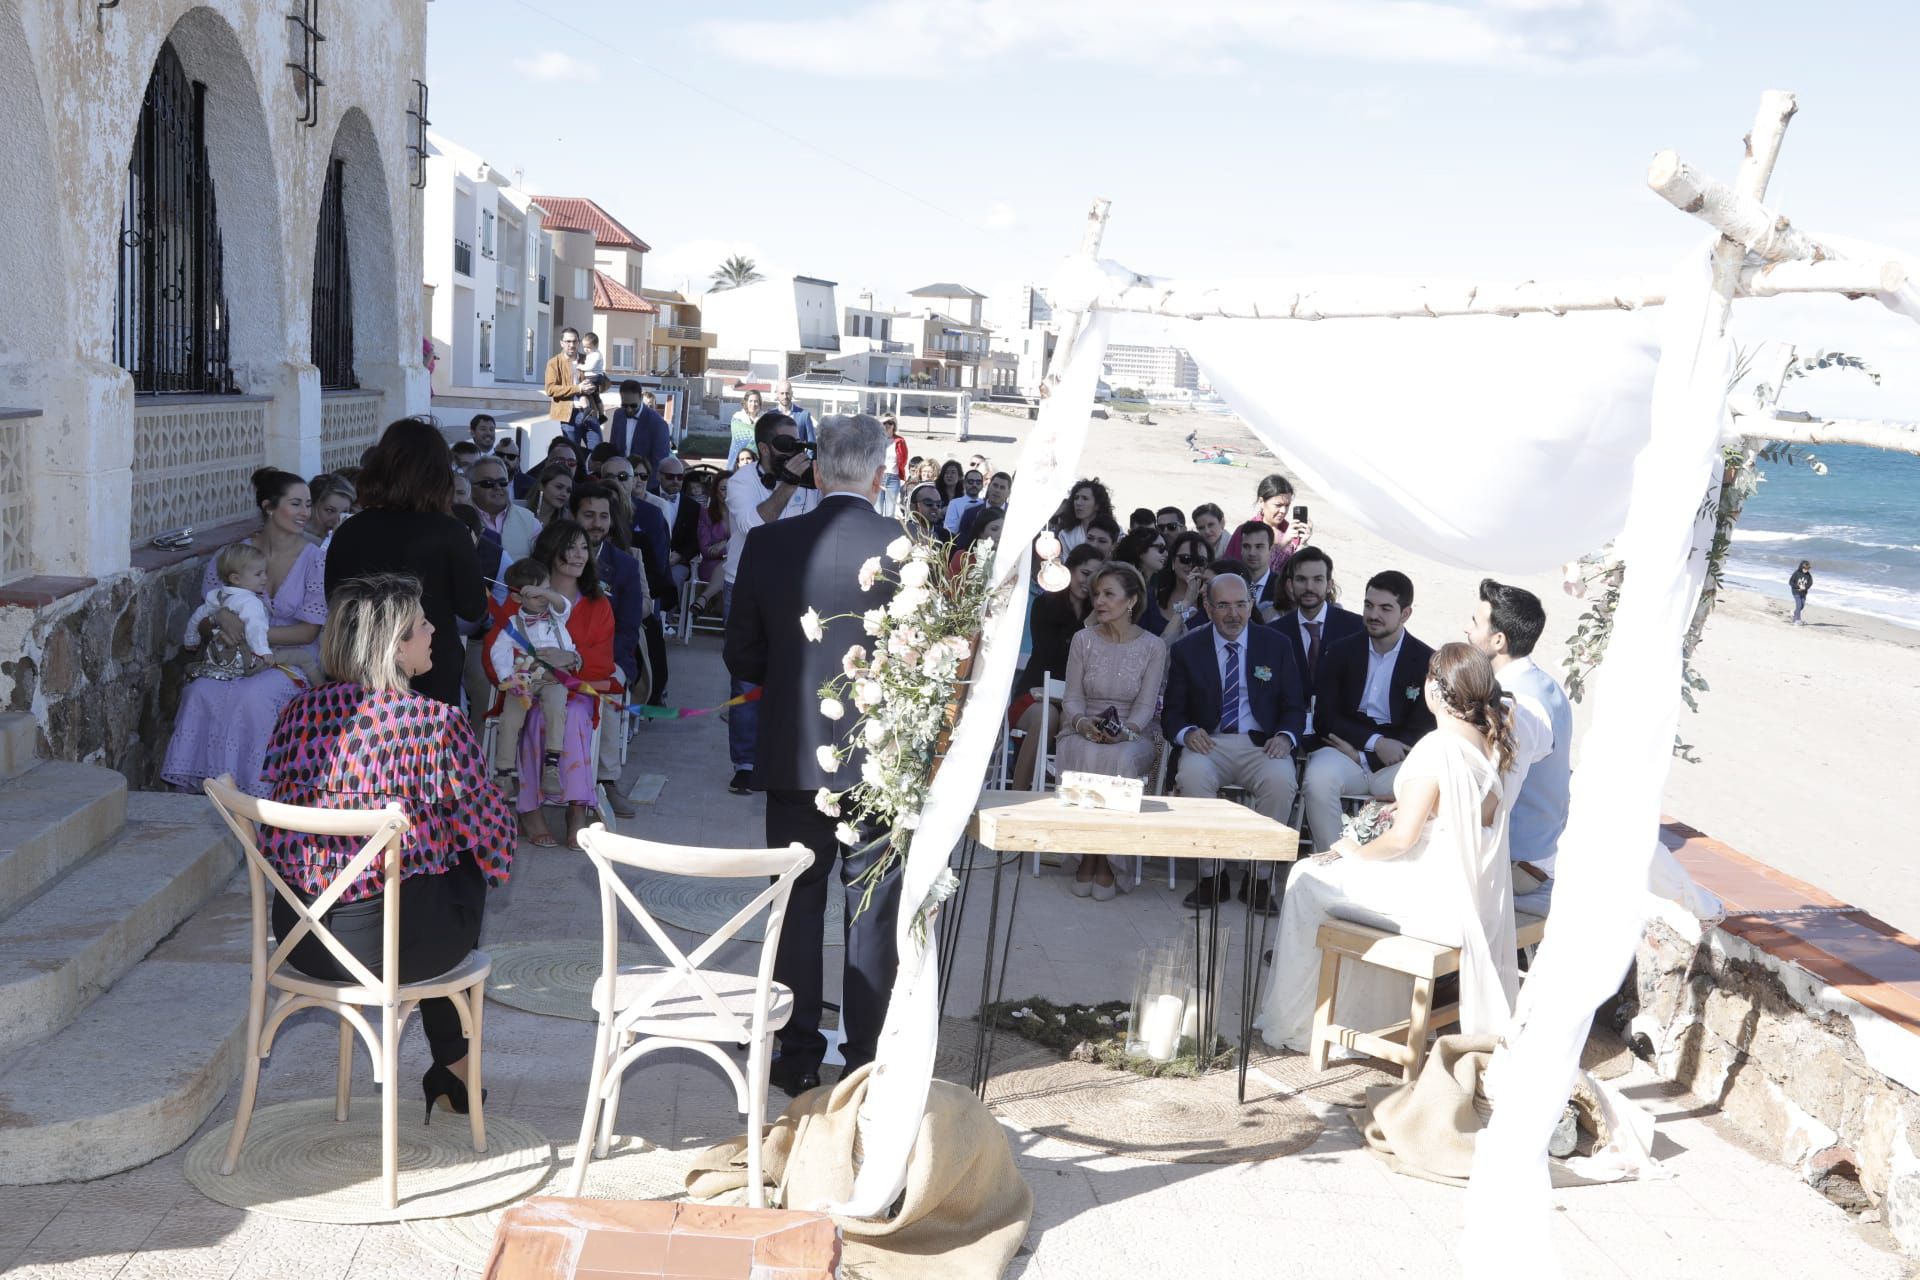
[903,687]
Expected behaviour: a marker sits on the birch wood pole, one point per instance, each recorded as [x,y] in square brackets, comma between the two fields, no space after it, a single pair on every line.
[1804,428]
[1090,238]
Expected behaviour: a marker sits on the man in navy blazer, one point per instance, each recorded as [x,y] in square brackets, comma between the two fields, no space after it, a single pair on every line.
[637,430]
[1315,623]
[592,505]
[1237,707]
[1369,706]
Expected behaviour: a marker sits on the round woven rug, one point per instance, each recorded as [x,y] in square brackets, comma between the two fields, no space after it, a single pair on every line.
[1170,1120]
[299,1163]
[633,1170]
[702,906]
[555,978]
[1342,1084]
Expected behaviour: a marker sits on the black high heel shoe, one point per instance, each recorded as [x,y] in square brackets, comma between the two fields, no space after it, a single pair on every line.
[441,1083]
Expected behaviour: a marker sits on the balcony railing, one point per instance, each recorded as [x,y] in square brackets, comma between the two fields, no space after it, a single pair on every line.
[954,357]
[685,332]
[462,258]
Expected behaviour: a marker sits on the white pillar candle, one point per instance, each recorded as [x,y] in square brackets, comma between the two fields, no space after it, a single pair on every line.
[1160,1028]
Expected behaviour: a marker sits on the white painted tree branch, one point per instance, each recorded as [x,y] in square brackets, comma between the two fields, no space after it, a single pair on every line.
[1803,428]
[1279,301]
[1740,218]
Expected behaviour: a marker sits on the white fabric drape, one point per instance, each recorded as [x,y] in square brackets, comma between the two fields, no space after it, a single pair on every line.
[1499,444]
[896,1094]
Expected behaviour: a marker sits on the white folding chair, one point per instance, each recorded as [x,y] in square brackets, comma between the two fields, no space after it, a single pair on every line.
[680,1005]
[1043,753]
[464,984]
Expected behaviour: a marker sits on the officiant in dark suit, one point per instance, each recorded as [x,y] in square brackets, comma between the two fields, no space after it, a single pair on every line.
[1237,707]
[812,562]
[1369,706]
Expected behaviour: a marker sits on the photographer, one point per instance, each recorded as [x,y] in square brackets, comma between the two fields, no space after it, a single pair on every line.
[780,485]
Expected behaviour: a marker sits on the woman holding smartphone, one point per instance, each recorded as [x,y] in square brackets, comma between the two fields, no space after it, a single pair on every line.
[1272,501]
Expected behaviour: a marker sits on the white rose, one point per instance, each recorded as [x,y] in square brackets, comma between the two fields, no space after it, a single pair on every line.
[936,662]
[832,708]
[1047,547]
[958,646]
[874,621]
[852,660]
[875,732]
[908,602]
[1054,576]
[910,819]
[868,693]
[915,573]
[845,834]
[872,775]
[869,573]
[879,662]
[828,759]
[900,548]
[827,802]
[810,625]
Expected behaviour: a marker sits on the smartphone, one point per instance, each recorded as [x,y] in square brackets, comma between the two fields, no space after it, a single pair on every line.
[1299,514]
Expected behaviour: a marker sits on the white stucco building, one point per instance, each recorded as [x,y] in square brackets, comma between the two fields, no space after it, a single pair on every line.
[780,327]
[1153,370]
[211,261]
[487,259]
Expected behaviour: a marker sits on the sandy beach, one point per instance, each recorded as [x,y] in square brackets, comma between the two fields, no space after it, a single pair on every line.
[1797,738]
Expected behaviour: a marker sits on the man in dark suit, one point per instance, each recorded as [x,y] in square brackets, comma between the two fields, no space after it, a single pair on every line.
[1263,575]
[1236,706]
[811,563]
[592,505]
[638,431]
[1315,622]
[1369,706]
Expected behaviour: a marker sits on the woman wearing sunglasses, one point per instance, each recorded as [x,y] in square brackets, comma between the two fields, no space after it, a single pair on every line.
[1177,589]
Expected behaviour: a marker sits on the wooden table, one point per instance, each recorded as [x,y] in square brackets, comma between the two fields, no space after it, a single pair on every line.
[1184,827]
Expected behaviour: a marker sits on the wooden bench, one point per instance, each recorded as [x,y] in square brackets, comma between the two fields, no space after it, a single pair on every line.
[1403,1042]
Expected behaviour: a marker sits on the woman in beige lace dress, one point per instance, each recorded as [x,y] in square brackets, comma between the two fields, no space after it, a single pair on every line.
[1114,673]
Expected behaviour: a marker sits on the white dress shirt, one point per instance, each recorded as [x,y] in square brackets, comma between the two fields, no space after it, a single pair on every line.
[1376,700]
[1532,727]
[746,490]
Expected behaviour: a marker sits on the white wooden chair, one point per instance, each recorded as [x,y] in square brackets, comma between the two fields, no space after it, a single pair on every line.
[352,1000]
[681,1005]
[1051,691]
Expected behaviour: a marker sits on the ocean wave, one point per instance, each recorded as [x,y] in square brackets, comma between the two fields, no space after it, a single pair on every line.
[1769,535]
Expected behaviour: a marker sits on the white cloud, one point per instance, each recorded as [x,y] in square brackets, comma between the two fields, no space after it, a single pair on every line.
[912,39]
[1000,216]
[552,64]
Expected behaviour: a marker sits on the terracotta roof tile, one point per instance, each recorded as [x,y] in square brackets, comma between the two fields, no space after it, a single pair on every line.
[610,295]
[577,213]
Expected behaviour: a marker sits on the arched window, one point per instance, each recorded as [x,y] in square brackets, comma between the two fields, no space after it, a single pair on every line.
[170,322]
[333,286]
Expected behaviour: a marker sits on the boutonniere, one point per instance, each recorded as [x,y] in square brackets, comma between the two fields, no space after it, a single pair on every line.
[1263,673]
[1413,691]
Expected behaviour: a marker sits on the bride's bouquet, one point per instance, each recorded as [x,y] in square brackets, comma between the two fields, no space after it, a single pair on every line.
[904,688]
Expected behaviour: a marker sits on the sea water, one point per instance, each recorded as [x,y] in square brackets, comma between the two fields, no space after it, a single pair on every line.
[1859,524]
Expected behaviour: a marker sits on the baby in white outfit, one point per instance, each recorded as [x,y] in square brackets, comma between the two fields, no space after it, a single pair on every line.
[241,586]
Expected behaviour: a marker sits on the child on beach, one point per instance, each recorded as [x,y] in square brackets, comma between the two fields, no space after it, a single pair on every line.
[525,675]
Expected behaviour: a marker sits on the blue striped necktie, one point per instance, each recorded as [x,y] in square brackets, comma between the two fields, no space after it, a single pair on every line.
[1230,690]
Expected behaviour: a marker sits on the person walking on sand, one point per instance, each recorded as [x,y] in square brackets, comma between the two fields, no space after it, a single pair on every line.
[1800,583]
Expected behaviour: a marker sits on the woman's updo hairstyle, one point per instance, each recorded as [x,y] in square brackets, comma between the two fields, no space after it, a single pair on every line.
[270,485]
[1464,676]
[1132,585]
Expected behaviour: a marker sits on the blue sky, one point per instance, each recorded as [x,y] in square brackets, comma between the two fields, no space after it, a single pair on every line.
[886,144]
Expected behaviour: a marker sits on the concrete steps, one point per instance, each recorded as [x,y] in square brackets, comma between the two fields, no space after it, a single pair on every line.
[73,941]
[133,1075]
[51,817]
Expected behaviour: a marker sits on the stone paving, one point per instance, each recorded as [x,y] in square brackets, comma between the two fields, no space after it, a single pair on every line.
[1331,1210]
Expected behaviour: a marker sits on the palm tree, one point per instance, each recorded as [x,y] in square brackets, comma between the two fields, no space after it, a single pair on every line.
[734,272]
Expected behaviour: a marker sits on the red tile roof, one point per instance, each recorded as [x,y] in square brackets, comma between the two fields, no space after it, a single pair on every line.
[610,295]
[577,213]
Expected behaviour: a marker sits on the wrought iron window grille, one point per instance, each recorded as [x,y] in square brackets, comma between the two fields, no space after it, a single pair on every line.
[332,349]
[307,71]
[417,148]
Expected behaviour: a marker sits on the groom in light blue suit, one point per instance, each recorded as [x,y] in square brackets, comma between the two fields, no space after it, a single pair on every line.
[1506,625]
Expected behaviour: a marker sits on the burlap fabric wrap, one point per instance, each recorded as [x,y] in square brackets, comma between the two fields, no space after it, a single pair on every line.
[1427,1128]
[965,1210]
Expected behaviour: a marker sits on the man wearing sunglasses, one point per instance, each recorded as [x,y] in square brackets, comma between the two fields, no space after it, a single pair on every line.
[501,518]
[1170,520]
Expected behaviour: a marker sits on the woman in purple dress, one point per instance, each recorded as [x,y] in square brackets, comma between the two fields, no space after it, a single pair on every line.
[223,725]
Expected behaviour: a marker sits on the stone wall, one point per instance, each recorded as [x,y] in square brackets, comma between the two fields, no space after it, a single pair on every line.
[101,670]
[1820,1081]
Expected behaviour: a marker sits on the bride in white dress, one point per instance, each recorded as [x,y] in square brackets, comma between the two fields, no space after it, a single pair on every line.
[1440,873]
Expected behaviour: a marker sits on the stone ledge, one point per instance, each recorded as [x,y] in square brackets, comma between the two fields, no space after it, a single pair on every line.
[206,541]
[38,592]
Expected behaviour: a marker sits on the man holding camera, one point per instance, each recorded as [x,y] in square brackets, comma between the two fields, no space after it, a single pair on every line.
[780,486]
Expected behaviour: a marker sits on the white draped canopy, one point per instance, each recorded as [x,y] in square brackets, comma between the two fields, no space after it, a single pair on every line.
[1504,444]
